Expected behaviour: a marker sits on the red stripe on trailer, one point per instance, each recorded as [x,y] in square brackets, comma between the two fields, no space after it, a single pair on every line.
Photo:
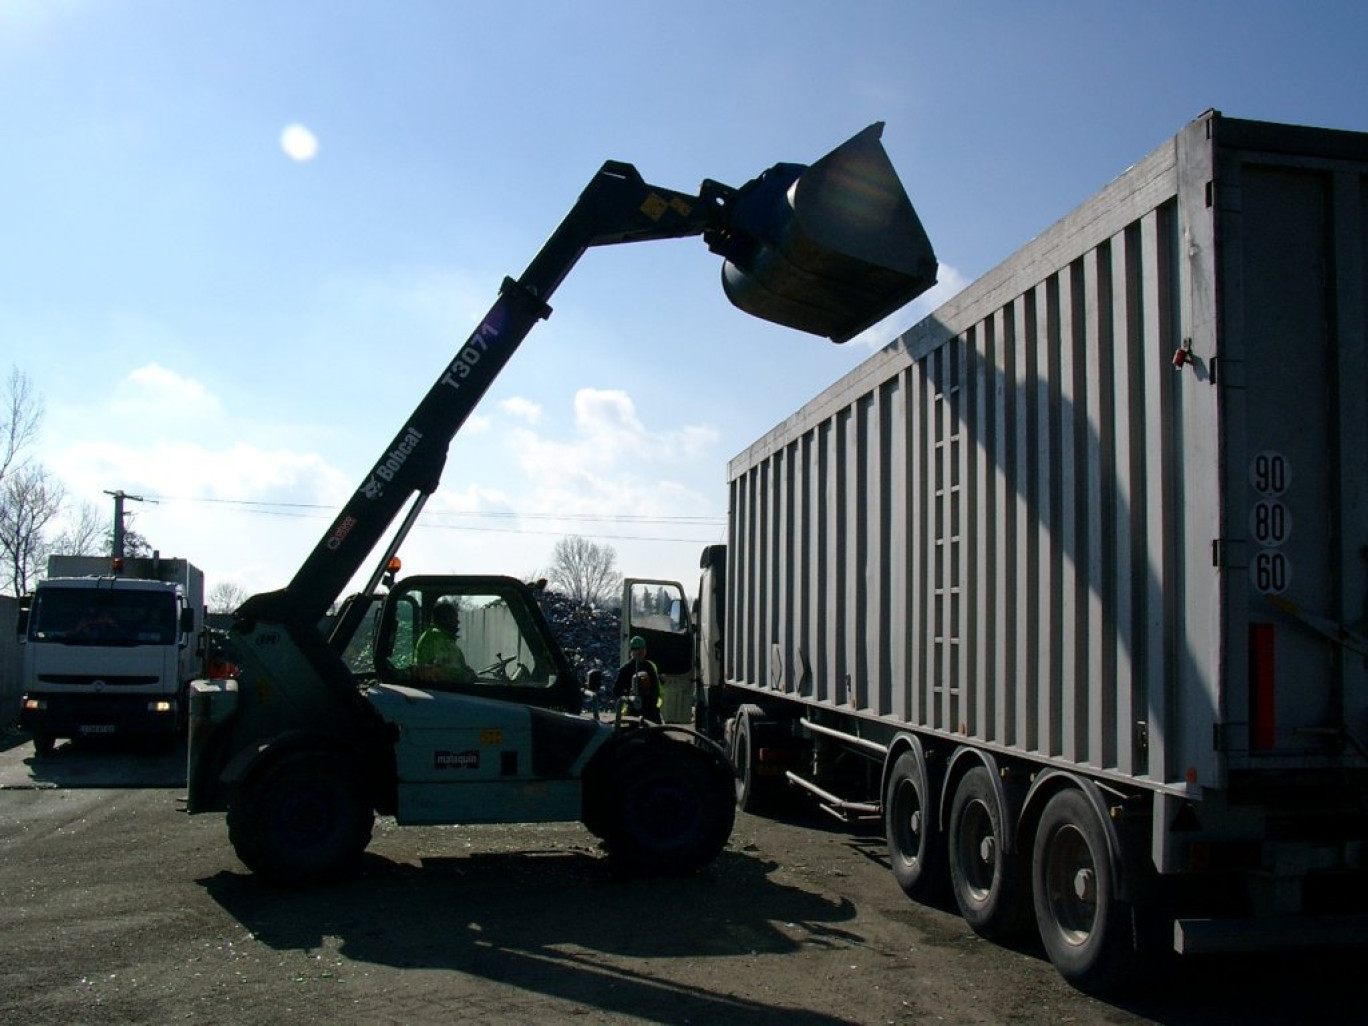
[1262,690]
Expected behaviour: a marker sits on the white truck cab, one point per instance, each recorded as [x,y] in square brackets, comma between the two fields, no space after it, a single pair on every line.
[109,655]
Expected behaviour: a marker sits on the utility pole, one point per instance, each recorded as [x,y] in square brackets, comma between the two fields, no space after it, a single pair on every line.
[120,497]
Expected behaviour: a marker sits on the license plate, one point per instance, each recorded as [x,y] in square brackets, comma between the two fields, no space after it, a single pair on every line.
[97,728]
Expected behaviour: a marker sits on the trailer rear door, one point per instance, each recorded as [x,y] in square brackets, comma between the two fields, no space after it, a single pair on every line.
[1294,387]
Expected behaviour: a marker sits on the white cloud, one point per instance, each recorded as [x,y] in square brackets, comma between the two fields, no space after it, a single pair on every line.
[613,464]
[250,513]
[950,282]
[180,469]
[474,498]
[608,419]
[609,438]
[241,513]
[155,390]
[523,409]
[147,406]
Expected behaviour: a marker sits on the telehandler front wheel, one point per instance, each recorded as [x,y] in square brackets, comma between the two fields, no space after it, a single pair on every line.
[677,809]
[302,818]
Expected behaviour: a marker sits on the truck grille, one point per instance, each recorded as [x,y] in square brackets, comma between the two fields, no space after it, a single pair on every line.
[88,679]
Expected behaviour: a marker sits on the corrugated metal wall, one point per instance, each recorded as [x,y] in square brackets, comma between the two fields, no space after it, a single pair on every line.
[10,691]
[969,533]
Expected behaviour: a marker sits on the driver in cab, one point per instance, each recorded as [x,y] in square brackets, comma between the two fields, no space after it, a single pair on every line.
[438,656]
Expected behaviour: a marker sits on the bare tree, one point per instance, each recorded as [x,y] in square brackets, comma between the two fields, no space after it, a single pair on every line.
[29,501]
[22,413]
[584,571]
[85,536]
[225,597]
[29,498]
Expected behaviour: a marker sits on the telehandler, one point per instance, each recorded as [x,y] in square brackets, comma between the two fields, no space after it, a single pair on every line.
[302,750]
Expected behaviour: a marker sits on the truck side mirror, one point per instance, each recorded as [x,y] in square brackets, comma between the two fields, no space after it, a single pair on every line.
[830,248]
[22,620]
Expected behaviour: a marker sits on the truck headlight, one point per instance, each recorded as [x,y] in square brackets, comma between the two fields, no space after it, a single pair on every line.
[34,704]
[162,705]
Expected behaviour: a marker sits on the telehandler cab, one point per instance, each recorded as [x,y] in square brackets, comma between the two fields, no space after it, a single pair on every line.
[302,750]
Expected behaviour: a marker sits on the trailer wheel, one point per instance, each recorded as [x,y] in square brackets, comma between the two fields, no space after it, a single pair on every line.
[914,843]
[755,793]
[1085,927]
[677,809]
[985,877]
[302,818]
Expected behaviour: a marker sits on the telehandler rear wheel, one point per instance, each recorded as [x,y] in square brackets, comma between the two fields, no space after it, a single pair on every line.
[302,818]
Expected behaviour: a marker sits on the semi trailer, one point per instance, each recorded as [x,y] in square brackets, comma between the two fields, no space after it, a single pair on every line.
[1068,584]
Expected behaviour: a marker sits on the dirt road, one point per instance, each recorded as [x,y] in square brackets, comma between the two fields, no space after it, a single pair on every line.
[116,907]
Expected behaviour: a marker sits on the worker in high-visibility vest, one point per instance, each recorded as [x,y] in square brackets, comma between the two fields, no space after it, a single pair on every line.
[640,678]
[438,656]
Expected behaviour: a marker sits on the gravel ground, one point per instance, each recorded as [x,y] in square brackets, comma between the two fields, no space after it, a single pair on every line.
[116,907]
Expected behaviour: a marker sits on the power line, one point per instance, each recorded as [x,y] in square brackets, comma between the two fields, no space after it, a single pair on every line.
[559,534]
[269,507]
[320,511]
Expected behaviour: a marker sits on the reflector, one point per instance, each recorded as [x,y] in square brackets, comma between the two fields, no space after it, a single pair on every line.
[1262,686]
[828,249]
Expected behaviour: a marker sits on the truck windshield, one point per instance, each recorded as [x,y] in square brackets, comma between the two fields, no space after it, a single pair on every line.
[89,617]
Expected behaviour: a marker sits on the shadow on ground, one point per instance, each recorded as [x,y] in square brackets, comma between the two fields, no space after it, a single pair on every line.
[556,923]
[101,762]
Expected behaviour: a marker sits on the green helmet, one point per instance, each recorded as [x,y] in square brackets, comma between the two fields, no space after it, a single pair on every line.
[637,642]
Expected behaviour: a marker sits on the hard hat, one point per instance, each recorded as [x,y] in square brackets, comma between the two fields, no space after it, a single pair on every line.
[637,642]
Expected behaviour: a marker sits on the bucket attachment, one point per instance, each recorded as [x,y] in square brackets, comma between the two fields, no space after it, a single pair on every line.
[829,249]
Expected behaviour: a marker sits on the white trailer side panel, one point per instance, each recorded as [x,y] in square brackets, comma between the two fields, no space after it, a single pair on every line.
[1020,525]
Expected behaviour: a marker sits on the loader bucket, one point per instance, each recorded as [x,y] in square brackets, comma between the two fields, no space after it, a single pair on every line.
[831,248]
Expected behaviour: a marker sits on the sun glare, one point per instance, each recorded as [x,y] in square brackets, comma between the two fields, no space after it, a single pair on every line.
[299,143]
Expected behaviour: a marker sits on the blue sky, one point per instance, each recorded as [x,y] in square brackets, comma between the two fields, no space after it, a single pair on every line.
[237,332]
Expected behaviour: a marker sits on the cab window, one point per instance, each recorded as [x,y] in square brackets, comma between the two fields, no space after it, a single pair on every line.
[443,636]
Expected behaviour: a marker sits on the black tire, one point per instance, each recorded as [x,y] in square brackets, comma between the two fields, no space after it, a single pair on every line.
[755,793]
[915,850]
[677,809]
[1086,928]
[986,879]
[301,819]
